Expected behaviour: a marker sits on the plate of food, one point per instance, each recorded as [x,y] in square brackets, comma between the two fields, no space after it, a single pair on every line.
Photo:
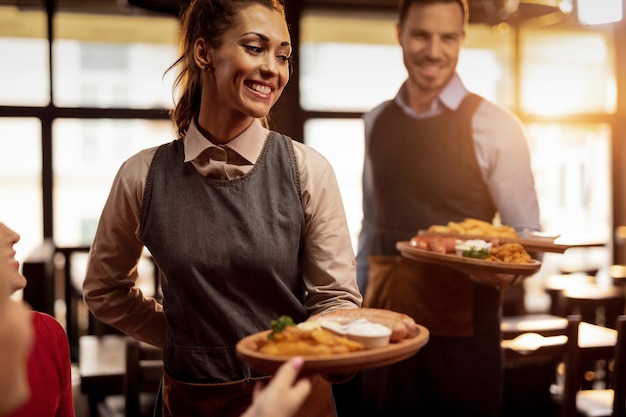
[326,348]
[478,229]
[508,258]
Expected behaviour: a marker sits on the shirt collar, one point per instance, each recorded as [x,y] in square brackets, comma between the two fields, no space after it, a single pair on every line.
[248,143]
[450,97]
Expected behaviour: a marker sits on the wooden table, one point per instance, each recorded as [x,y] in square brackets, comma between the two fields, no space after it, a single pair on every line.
[590,336]
[594,342]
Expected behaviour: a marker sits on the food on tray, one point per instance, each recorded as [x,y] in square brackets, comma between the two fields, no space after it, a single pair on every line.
[473,248]
[294,340]
[513,253]
[493,251]
[371,335]
[402,326]
[438,244]
[476,227]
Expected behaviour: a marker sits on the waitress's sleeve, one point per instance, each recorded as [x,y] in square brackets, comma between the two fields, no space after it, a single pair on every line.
[110,289]
[328,264]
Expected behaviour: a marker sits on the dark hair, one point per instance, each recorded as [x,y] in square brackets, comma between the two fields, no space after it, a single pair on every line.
[207,19]
[404,5]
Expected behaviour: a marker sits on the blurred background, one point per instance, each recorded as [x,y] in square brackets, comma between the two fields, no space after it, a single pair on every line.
[83,87]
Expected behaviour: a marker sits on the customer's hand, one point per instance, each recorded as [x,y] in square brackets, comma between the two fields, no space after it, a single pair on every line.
[284,394]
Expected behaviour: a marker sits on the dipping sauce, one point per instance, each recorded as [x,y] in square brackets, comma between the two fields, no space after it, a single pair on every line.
[371,335]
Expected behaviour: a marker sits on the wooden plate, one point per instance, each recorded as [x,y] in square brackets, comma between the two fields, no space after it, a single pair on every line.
[464,263]
[341,363]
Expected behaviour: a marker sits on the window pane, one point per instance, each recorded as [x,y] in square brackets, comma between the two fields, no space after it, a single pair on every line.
[369,74]
[341,142]
[567,72]
[486,64]
[355,63]
[20,181]
[24,66]
[114,61]
[349,62]
[87,155]
[572,168]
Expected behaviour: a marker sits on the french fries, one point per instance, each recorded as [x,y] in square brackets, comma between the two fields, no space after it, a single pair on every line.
[476,227]
[501,252]
[297,341]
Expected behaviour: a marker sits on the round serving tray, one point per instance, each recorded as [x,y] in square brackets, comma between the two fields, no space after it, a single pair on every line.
[341,363]
[461,262]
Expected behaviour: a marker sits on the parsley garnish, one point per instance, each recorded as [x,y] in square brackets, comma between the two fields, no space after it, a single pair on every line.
[476,253]
[279,325]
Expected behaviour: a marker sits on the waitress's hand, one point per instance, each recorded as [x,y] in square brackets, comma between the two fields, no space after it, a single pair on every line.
[284,394]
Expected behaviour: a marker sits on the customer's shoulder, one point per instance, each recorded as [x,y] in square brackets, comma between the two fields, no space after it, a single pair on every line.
[46,323]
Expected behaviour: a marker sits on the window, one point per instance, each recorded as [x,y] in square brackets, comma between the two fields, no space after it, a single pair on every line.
[24,72]
[99,61]
[20,180]
[87,155]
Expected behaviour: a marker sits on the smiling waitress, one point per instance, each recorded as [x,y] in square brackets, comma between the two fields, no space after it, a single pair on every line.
[244,223]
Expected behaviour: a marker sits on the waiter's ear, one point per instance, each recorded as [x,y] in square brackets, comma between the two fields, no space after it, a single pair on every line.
[399,33]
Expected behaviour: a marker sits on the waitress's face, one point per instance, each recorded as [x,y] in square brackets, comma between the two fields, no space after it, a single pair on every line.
[16,331]
[251,67]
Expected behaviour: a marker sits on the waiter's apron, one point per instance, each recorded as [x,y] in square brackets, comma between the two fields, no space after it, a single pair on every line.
[437,297]
[231,399]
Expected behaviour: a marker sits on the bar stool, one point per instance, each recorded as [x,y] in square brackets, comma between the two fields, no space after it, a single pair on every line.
[595,304]
[555,284]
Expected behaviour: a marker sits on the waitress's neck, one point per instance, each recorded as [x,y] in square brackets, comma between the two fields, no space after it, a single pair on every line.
[220,131]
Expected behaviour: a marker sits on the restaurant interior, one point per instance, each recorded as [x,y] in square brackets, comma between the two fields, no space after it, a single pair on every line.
[83,87]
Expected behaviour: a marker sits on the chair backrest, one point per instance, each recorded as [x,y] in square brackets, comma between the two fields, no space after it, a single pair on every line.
[619,369]
[144,369]
[554,349]
[610,401]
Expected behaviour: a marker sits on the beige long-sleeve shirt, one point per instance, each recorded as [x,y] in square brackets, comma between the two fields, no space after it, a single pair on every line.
[328,266]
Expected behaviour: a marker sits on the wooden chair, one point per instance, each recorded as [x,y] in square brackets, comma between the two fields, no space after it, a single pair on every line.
[610,401]
[140,383]
[521,362]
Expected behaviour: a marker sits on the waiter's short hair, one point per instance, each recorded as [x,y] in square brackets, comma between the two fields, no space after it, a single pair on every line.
[404,5]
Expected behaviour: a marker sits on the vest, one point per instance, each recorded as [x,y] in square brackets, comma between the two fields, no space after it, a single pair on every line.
[425,172]
[229,256]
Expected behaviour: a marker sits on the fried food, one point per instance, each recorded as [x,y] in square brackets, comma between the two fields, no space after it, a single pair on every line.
[296,341]
[513,253]
[476,227]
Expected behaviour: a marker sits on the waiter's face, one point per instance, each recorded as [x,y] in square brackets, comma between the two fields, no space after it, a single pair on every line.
[431,38]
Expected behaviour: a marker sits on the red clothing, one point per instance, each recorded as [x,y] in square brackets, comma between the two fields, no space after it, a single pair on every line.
[49,372]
